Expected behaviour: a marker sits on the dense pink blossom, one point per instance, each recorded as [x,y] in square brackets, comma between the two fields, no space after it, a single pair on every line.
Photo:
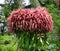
[30,20]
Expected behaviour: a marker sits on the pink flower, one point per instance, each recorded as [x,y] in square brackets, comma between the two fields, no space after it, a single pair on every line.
[30,20]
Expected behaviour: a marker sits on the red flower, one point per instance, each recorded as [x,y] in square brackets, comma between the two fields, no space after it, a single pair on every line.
[30,20]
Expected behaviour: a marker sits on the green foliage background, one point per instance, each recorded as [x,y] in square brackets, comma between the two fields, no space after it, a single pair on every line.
[9,43]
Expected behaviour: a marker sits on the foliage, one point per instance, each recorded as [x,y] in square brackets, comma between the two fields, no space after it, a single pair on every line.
[32,4]
[9,6]
[27,43]
[7,43]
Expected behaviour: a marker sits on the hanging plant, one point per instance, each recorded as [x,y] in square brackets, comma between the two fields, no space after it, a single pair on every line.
[30,20]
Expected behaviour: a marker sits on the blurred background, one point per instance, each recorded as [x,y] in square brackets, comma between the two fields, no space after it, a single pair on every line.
[9,42]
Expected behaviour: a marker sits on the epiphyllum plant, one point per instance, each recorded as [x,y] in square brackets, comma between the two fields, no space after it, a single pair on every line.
[30,20]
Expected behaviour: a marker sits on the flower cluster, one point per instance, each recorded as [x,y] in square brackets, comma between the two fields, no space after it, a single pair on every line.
[30,20]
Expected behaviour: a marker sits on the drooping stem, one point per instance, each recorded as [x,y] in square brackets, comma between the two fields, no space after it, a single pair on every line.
[20,4]
[37,3]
